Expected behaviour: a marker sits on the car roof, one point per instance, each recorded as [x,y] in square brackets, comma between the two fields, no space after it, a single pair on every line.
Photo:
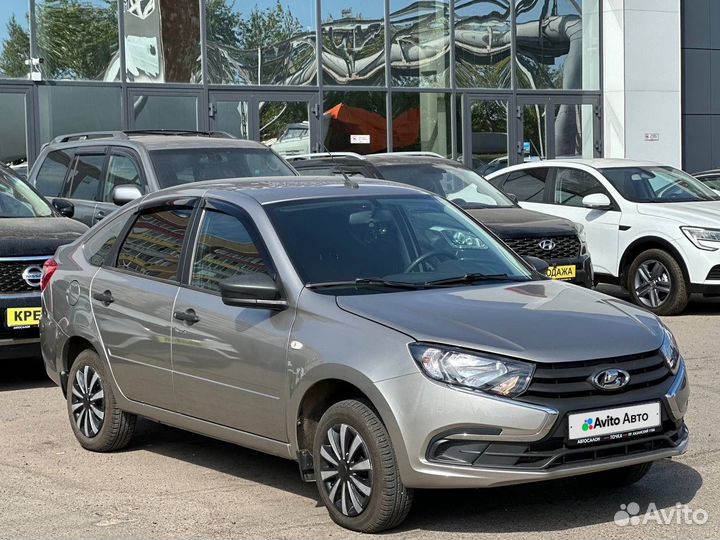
[596,163]
[273,189]
[154,141]
[408,159]
[709,171]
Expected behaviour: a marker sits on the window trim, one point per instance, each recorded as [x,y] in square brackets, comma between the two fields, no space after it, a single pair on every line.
[79,153]
[132,156]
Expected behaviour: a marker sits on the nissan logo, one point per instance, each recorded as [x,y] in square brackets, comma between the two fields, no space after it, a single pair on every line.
[32,275]
[547,244]
[611,379]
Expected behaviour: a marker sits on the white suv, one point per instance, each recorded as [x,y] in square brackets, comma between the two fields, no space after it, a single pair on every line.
[651,228]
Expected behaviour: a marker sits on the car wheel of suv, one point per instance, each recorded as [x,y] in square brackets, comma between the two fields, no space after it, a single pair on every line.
[356,471]
[95,419]
[656,282]
[624,476]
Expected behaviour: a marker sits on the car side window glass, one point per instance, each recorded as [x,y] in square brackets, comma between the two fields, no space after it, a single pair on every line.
[51,176]
[122,171]
[153,245]
[84,181]
[528,185]
[571,185]
[225,248]
[100,244]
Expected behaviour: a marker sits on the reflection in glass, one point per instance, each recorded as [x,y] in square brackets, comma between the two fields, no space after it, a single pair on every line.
[574,131]
[162,41]
[558,44]
[12,141]
[78,39]
[59,106]
[488,129]
[360,114]
[353,43]
[534,133]
[232,117]
[421,122]
[14,40]
[164,112]
[268,43]
[482,43]
[420,43]
[285,127]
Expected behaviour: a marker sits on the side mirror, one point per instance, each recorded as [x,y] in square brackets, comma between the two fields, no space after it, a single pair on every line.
[537,263]
[597,201]
[252,291]
[124,194]
[64,207]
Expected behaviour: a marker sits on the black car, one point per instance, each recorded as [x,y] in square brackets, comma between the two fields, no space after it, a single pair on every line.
[558,241]
[30,231]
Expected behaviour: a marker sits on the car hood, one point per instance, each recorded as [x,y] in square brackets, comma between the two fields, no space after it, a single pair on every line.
[27,237]
[543,321]
[702,214]
[517,222]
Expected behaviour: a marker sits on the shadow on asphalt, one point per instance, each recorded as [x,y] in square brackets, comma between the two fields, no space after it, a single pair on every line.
[24,374]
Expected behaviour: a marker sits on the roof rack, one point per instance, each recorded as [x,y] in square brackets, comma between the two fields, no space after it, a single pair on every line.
[325,154]
[90,135]
[418,153]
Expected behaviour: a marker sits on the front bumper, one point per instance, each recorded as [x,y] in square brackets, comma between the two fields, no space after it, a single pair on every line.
[18,342]
[583,269]
[526,439]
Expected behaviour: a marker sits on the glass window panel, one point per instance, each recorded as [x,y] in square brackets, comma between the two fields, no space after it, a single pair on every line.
[164,112]
[78,39]
[527,185]
[51,176]
[14,39]
[421,122]
[558,44]
[99,245]
[73,109]
[489,137]
[534,133]
[162,41]
[13,147]
[482,44]
[261,42]
[353,43]
[285,127]
[232,117]
[122,171]
[571,185]
[574,131]
[420,43]
[359,114]
[84,182]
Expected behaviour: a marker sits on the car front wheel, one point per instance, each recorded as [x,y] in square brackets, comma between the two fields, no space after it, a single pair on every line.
[356,471]
[656,282]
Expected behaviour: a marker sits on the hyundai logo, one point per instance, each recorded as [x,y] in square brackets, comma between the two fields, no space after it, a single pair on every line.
[32,275]
[611,379]
[547,244]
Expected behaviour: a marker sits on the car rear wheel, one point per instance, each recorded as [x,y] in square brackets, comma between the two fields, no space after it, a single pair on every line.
[356,471]
[657,283]
[95,419]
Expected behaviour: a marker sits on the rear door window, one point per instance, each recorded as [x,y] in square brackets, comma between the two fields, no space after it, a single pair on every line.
[528,185]
[85,178]
[51,176]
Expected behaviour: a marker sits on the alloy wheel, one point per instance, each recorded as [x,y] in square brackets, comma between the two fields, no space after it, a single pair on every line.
[652,283]
[346,469]
[88,401]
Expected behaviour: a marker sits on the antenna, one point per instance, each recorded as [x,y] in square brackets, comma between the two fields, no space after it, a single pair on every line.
[349,183]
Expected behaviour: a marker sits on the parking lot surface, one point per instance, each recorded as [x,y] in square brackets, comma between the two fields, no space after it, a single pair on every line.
[173,484]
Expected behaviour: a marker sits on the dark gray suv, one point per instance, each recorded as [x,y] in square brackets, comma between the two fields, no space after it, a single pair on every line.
[99,171]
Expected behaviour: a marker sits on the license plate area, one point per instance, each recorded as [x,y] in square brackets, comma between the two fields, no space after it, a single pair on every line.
[24,317]
[616,424]
[566,271]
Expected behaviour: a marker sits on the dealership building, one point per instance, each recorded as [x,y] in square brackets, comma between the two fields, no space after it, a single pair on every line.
[489,82]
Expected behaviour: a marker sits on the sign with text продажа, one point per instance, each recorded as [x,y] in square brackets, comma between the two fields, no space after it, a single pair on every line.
[359,139]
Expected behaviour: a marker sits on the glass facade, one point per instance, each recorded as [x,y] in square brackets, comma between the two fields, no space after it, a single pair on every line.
[455,77]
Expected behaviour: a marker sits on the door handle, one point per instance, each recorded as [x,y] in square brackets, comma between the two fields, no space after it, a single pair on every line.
[189,316]
[106,298]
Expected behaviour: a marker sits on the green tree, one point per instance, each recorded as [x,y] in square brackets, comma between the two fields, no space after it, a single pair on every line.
[267,27]
[16,50]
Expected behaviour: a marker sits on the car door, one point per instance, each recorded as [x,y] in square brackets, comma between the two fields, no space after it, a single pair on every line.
[528,186]
[82,186]
[230,363]
[568,186]
[122,169]
[132,301]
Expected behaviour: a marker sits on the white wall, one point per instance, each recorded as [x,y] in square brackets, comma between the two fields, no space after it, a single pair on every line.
[641,78]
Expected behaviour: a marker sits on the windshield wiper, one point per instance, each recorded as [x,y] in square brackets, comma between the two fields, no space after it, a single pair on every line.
[366,283]
[472,278]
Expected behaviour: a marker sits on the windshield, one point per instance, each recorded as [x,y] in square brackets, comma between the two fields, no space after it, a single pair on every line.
[464,187]
[186,165]
[658,184]
[411,240]
[18,200]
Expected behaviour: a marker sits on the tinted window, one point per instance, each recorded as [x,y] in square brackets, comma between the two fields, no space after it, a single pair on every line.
[527,184]
[225,249]
[100,244]
[713,182]
[19,200]
[181,166]
[153,245]
[121,171]
[658,184]
[50,177]
[84,181]
[571,185]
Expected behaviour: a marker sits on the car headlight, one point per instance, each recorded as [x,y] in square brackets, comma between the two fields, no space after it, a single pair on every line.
[707,239]
[480,371]
[670,351]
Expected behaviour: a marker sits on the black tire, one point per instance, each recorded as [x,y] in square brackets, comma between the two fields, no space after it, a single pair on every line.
[388,502]
[104,431]
[670,276]
[622,477]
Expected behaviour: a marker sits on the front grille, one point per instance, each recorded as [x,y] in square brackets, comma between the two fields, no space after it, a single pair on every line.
[11,280]
[714,272]
[572,379]
[566,247]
